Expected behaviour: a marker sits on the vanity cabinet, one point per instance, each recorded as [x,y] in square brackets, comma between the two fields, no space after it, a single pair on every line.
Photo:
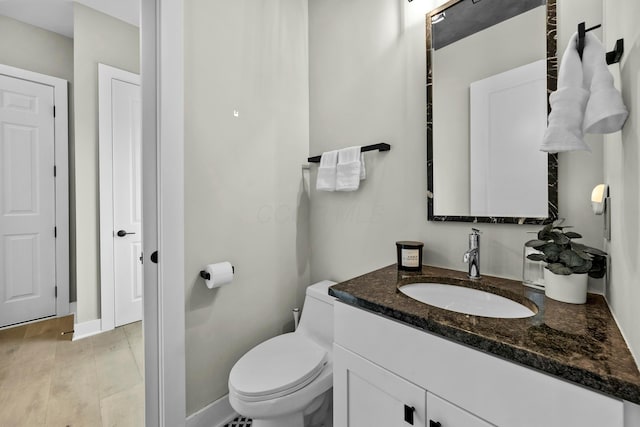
[381,365]
[444,414]
[366,395]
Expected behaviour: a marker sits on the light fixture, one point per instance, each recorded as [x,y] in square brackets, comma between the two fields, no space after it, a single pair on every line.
[601,205]
[598,196]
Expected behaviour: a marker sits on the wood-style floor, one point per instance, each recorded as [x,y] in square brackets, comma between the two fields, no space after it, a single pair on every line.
[48,380]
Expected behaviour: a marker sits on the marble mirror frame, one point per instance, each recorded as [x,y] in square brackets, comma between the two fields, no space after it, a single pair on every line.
[552,80]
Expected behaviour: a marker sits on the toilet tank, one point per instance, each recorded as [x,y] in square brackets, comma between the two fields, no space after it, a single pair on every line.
[316,320]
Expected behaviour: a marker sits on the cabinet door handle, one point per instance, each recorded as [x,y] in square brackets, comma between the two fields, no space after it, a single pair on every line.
[408,414]
[434,423]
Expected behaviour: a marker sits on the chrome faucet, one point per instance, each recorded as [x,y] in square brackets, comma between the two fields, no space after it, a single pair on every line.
[472,256]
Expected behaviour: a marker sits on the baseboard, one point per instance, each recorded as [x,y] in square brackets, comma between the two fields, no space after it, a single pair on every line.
[216,414]
[86,329]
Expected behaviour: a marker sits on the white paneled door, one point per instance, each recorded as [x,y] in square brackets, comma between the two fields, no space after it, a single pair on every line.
[127,209]
[27,201]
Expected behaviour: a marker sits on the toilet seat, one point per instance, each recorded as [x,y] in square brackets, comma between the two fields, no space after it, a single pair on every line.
[277,367]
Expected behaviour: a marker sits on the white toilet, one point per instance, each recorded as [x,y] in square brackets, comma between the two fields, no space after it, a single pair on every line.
[287,380]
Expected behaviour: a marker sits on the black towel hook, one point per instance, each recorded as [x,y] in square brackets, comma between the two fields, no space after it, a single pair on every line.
[612,57]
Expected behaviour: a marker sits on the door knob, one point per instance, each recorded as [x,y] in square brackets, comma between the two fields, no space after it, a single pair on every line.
[122,233]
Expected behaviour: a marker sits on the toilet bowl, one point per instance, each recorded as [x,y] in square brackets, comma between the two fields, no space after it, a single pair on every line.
[287,380]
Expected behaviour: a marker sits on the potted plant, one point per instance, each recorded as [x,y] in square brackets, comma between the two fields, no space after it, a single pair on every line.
[568,263]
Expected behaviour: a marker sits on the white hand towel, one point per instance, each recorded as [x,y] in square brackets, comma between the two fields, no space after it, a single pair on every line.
[348,171]
[605,113]
[564,132]
[363,170]
[327,171]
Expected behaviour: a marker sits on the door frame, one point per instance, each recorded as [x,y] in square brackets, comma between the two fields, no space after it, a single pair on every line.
[163,323]
[61,162]
[106,74]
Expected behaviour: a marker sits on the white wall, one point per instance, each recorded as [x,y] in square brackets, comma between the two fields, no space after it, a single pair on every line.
[34,49]
[98,38]
[367,84]
[622,157]
[244,197]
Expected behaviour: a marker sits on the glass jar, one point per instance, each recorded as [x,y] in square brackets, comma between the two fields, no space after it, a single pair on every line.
[532,271]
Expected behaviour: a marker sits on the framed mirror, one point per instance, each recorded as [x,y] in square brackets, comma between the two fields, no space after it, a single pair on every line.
[491,65]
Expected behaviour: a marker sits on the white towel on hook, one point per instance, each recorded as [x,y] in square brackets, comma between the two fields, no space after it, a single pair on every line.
[326,180]
[363,170]
[349,169]
[605,112]
[568,103]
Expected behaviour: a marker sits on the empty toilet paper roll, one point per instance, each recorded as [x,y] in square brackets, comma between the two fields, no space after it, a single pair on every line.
[220,273]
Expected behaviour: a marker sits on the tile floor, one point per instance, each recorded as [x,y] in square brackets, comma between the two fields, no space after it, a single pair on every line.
[239,422]
[48,380]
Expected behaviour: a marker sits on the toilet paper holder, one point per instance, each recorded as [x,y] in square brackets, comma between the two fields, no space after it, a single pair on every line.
[207,276]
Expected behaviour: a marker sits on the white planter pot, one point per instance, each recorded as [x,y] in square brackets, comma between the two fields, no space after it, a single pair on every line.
[571,288]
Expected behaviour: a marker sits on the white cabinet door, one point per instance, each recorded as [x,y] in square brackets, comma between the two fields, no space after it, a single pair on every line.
[443,414]
[27,201]
[365,395]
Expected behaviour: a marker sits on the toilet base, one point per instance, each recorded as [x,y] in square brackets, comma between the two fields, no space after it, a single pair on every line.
[318,414]
[291,420]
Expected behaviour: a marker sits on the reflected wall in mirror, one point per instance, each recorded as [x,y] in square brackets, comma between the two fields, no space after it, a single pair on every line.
[490,68]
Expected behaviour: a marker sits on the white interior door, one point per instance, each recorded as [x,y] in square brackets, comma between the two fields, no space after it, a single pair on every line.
[120,113]
[27,201]
[508,172]
[127,200]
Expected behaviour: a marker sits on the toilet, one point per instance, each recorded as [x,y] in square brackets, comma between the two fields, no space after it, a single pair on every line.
[287,380]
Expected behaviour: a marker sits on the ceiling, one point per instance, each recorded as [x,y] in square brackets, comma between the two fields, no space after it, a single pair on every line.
[57,15]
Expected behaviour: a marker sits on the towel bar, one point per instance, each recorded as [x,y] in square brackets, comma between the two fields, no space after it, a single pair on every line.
[382,146]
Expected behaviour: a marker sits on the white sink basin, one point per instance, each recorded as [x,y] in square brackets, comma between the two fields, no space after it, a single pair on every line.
[466,300]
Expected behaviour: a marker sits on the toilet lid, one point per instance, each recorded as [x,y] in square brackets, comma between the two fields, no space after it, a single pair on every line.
[277,367]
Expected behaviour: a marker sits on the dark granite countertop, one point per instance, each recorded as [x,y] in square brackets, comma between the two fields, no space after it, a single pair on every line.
[578,343]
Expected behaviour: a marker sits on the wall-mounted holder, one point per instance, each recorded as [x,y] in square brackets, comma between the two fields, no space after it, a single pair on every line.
[207,276]
[612,57]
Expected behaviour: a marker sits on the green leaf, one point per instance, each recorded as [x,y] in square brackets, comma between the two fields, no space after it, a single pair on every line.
[571,259]
[551,251]
[588,249]
[560,269]
[585,268]
[537,257]
[585,256]
[560,238]
[594,251]
[573,235]
[545,233]
[558,222]
[535,243]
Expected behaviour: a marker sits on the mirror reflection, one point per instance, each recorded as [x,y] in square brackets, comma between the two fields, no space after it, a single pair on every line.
[53,51]
[488,73]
